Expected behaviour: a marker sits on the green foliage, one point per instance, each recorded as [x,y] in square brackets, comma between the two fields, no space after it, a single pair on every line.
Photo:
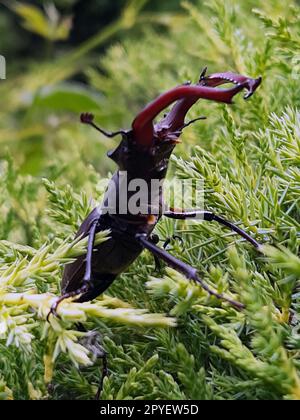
[49,25]
[248,156]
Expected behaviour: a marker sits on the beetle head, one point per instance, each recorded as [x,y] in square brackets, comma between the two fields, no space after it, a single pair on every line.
[150,162]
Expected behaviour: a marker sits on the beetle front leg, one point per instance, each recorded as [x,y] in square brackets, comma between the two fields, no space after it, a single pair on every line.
[188,271]
[88,268]
[209,216]
[154,238]
[87,275]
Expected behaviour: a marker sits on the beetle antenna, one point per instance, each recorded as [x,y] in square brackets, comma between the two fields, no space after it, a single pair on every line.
[192,121]
[87,118]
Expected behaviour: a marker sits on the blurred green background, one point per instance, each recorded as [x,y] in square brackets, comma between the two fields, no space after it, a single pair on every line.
[88,17]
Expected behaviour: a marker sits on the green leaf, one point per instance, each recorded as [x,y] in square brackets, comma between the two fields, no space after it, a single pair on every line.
[68,97]
[49,25]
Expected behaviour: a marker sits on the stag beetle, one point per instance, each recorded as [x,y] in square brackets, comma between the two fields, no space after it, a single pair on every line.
[144,152]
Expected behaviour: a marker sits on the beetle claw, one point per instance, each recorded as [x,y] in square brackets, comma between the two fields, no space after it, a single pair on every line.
[251,86]
[169,240]
[53,310]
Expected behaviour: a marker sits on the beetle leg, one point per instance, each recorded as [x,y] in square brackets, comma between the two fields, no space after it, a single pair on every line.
[87,118]
[103,376]
[53,309]
[168,240]
[209,216]
[154,238]
[87,275]
[92,342]
[188,271]
[88,268]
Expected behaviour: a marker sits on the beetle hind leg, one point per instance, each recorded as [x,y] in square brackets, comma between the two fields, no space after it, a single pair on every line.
[92,341]
[103,375]
[188,271]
